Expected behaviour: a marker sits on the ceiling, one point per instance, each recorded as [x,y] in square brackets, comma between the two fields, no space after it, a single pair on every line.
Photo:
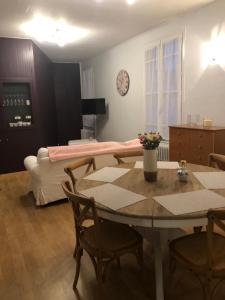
[110,21]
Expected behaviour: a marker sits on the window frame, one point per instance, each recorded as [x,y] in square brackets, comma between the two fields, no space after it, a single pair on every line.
[159,44]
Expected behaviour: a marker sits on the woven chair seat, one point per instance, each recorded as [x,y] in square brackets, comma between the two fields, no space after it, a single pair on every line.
[115,238]
[217,161]
[104,241]
[191,249]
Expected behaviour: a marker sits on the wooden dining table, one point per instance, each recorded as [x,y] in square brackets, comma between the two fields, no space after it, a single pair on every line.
[148,213]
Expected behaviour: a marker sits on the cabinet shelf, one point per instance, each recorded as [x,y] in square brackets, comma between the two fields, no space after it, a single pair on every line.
[16,104]
[20,128]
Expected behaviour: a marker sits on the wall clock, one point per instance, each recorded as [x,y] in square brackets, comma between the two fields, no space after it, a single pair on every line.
[122,82]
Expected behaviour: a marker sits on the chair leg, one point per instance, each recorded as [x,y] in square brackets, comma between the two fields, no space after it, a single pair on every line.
[197,229]
[75,251]
[94,264]
[79,253]
[102,269]
[118,262]
[105,268]
[99,271]
[77,246]
[140,256]
[207,290]
[172,264]
[172,269]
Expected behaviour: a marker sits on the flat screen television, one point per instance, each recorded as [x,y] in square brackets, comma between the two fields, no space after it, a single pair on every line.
[94,106]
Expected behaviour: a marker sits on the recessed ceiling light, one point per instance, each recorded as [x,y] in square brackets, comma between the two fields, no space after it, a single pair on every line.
[130,2]
[45,29]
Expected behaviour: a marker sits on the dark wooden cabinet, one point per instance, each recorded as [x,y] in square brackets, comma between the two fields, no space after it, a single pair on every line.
[46,107]
[194,143]
[53,113]
[68,101]
[15,145]
[16,87]
[21,95]
[16,58]
[18,134]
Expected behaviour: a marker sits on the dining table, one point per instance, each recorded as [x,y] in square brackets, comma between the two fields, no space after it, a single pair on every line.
[149,213]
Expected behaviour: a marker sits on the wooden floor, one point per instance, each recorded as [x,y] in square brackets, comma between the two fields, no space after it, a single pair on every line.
[36,247]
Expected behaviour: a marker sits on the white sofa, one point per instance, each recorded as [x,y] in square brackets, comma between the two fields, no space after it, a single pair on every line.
[46,176]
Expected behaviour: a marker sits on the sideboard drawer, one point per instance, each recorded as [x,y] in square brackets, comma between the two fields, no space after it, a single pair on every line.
[195,143]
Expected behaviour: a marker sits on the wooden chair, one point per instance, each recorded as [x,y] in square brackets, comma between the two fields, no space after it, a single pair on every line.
[203,253]
[119,155]
[217,161]
[88,161]
[105,241]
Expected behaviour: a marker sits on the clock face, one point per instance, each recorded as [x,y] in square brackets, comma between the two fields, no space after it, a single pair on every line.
[122,82]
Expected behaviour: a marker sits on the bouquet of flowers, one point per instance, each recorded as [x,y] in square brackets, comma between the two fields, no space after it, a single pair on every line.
[150,140]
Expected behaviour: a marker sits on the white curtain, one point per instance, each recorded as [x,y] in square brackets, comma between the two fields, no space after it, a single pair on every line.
[87,91]
[152,90]
[163,85]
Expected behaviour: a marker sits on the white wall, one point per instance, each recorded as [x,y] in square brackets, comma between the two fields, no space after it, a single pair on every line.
[203,88]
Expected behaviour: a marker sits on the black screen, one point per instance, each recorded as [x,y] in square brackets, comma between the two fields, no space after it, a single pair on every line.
[93,106]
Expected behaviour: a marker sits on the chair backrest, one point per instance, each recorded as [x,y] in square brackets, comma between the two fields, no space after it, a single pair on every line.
[215,217]
[88,161]
[217,161]
[119,155]
[83,209]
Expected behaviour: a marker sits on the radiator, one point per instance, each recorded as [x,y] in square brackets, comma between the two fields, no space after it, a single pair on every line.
[87,133]
[163,151]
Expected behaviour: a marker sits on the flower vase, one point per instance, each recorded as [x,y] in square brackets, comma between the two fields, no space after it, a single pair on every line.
[150,164]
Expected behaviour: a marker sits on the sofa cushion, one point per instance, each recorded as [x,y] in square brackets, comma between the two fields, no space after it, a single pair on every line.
[42,153]
[78,151]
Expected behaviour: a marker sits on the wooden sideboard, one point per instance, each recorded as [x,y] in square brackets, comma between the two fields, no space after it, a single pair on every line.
[194,143]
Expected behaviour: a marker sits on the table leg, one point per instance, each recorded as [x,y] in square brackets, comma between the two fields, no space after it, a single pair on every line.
[158,265]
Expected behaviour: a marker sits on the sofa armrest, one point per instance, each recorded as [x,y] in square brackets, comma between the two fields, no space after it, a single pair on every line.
[30,162]
[33,167]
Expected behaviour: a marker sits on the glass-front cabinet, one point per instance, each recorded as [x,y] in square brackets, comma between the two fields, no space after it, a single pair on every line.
[16,104]
[18,135]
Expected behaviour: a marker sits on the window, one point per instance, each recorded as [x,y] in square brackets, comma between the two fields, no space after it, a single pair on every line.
[87,89]
[163,85]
